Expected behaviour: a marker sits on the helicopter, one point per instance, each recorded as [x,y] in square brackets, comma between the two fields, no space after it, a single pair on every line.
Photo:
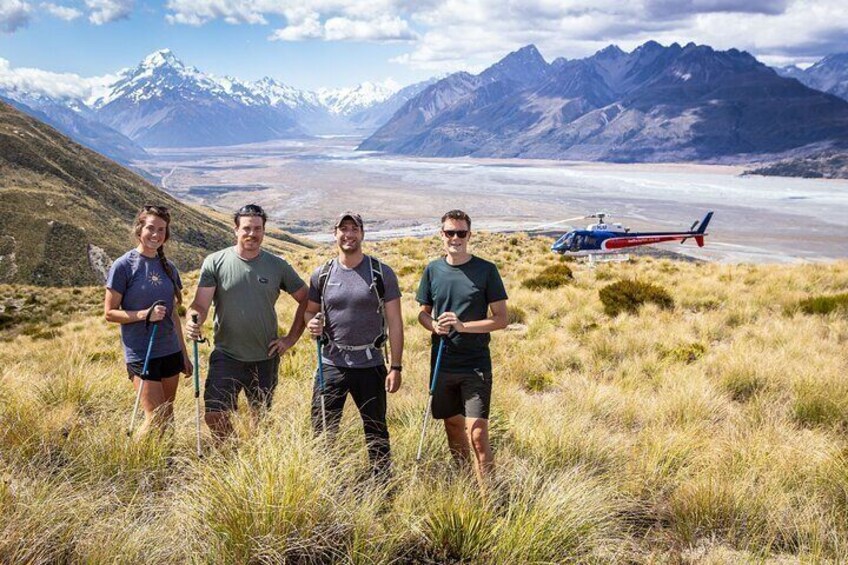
[604,238]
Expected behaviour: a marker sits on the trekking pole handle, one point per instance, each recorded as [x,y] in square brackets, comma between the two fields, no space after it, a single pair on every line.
[147,321]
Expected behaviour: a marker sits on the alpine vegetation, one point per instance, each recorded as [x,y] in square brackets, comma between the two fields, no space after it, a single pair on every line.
[711,432]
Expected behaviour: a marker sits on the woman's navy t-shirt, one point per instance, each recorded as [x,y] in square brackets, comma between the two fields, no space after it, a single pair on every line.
[141,282]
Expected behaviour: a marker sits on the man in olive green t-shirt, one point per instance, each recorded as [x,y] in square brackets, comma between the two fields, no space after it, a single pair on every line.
[243,282]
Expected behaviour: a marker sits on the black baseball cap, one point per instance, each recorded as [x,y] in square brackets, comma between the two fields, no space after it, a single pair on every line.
[352,216]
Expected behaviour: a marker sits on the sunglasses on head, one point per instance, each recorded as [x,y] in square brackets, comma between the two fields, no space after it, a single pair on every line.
[155,208]
[251,209]
[461,234]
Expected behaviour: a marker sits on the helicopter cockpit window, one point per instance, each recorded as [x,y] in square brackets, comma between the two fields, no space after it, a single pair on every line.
[576,243]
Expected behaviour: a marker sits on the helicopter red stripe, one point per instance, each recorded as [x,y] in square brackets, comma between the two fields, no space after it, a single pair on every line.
[623,242]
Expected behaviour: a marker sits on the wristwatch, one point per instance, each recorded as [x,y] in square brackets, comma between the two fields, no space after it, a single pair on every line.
[397,368]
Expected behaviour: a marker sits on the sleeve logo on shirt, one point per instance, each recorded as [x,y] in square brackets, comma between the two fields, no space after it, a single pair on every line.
[263,280]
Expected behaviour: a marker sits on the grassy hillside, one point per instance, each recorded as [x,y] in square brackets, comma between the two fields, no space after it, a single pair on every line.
[708,429]
[57,199]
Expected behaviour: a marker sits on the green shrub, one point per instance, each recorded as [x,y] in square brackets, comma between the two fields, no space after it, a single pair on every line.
[629,295]
[407,270]
[686,352]
[515,315]
[537,381]
[824,304]
[552,276]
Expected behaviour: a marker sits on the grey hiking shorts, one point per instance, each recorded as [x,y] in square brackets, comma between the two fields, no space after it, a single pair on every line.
[228,376]
[468,394]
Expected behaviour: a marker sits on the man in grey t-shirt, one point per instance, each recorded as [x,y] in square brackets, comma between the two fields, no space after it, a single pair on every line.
[346,293]
[243,282]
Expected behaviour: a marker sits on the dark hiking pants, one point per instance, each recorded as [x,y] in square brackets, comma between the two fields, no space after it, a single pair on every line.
[367,387]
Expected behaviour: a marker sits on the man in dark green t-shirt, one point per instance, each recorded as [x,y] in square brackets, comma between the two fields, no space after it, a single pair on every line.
[243,282]
[457,294]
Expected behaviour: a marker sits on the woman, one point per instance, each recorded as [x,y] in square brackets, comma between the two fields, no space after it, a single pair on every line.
[136,281]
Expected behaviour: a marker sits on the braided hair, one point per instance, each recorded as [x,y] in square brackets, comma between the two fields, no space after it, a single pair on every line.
[163,213]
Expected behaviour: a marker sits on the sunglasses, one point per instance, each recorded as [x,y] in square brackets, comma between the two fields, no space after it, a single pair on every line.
[251,209]
[160,211]
[461,234]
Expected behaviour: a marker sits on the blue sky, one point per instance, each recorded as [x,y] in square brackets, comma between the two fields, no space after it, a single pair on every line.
[334,43]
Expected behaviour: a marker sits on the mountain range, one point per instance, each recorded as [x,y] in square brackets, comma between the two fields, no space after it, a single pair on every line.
[161,102]
[656,103]
[830,74]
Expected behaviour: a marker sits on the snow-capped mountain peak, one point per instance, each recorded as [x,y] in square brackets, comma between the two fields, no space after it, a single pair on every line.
[346,101]
[161,58]
[159,73]
[277,93]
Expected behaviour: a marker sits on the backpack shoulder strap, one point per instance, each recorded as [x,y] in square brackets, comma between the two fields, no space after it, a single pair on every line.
[323,277]
[377,278]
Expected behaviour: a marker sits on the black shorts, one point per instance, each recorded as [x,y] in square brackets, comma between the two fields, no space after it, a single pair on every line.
[467,393]
[227,377]
[158,368]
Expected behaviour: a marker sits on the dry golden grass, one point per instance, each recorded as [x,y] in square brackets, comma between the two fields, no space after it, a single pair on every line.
[712,432]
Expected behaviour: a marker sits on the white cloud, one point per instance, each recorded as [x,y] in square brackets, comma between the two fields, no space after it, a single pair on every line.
[198,12]
[62,12]
[331,20]
[380,29]
[346,29]
[106,11]
[14,14]
[470,34]
[55,85]
[309,28]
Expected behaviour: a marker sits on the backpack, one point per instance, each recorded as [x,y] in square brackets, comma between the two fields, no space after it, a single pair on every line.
[378,287]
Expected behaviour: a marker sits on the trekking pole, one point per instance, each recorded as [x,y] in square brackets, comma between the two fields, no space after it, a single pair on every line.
[321,382]
[197,387]
[146,362]
[429,406]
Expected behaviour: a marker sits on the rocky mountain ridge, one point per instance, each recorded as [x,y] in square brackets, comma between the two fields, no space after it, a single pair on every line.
[675,103]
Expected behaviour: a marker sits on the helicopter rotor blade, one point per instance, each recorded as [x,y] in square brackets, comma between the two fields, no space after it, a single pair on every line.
[565,221]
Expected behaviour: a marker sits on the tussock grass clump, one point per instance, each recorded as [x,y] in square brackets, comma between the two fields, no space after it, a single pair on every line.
[825,304]
[457,525]
[552,276]
[554,518]
[262,504]
[822,401]
[628,295]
